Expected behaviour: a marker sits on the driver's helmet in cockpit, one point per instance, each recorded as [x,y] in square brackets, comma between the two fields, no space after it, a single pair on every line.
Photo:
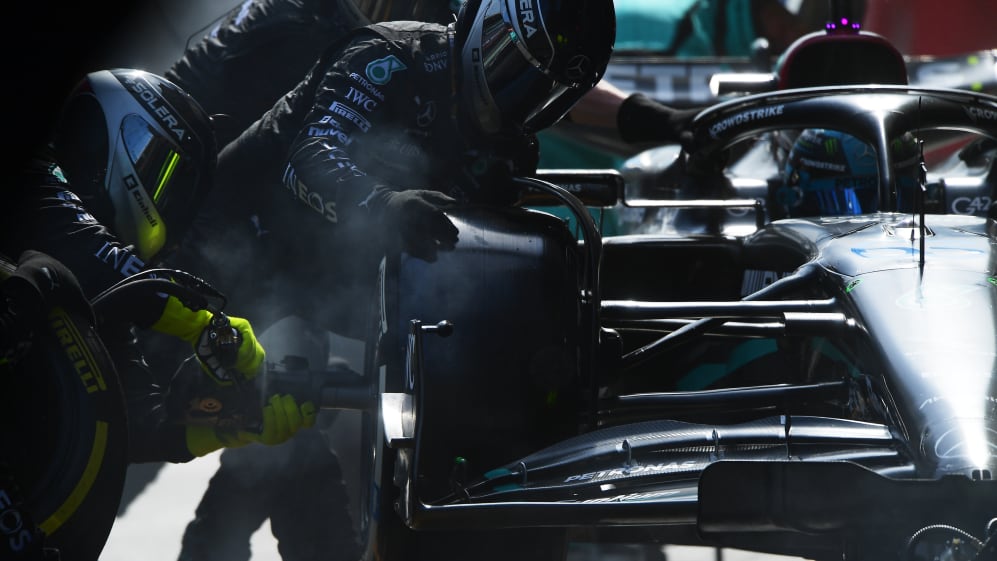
[831,173]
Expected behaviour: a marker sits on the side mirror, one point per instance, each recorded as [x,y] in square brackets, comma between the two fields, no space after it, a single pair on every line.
[594,187]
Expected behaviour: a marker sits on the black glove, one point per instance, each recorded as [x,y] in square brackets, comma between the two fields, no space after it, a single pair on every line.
[641,119]
[416,215]
[39,283]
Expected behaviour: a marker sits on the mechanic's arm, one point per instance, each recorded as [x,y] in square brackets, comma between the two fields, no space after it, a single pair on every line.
[157,429]
[100,260]
[638,117]
[348,113]
[282,418]
[69,233]
[26,296]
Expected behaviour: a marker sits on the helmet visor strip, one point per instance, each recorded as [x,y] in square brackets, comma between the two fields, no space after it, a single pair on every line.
[158,165]
[517,85]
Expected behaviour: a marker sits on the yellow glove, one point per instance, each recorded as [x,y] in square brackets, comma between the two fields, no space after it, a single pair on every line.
[203,440]
[196,328]
[282,418]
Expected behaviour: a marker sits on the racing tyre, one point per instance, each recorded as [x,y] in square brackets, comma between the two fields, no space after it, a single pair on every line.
[64,444]
[382,533]
[500,377]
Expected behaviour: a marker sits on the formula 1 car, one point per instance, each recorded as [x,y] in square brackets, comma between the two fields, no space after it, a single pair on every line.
[812,386]
[718,376]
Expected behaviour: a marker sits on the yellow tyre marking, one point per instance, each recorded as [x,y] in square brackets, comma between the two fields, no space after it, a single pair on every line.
[83,486]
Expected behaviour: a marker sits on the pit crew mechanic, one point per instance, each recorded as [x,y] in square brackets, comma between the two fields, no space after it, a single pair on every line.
[261,48]
[97,199]
[328,281]
[256,53]
[400,118]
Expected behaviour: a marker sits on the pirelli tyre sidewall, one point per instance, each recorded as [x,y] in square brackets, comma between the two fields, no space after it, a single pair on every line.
[65,434]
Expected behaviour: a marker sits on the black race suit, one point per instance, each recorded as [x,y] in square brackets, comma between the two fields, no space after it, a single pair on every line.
[378,108]
[255,54]
[41,213]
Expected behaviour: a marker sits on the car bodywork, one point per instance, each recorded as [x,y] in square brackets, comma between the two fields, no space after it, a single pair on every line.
[817,386]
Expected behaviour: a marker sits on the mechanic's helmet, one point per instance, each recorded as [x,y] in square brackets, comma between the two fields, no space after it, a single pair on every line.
[140,152]
[524,63]
[831,173]
[365,12]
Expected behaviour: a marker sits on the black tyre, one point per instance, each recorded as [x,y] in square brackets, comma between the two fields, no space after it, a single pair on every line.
[516,379]
[64,439]
[383,535]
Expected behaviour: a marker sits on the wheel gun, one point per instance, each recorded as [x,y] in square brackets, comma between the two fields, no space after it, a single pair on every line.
[237,403]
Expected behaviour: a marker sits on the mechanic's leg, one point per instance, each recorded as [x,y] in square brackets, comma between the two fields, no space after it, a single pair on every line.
[310,518]
[232,508]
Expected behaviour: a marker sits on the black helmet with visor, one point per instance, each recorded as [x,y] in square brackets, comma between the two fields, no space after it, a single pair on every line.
[525,63]
[140,152]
